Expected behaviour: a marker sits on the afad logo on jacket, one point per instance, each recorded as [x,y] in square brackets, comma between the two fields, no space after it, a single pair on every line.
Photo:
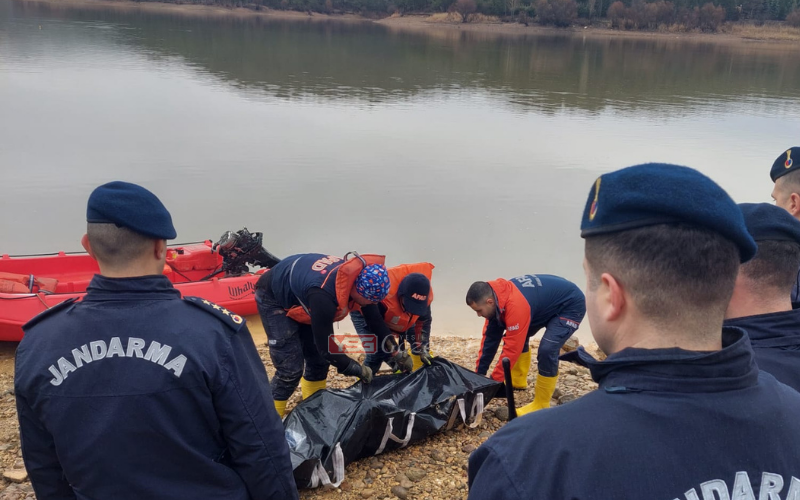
[513,327]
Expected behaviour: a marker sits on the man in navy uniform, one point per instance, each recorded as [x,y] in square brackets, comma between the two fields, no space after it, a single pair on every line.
[760,303]
[785,173]
[135,393]
[682,411]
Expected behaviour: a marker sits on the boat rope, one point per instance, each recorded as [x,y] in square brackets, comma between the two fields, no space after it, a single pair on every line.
[79,253]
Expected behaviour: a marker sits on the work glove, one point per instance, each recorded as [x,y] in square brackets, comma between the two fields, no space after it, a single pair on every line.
[356,369]
[401,361]
[426,358]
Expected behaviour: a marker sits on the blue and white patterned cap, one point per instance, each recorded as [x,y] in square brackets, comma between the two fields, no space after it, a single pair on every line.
[372,283]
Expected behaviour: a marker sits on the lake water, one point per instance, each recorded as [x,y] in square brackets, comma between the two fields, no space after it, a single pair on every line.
[471,151]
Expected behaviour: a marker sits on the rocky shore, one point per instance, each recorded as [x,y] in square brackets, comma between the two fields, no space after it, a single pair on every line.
[432,470]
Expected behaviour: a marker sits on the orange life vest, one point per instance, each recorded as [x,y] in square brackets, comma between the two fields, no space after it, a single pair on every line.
[396,318]
[346,275]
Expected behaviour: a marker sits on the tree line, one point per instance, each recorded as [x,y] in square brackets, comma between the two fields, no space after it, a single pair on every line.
[622,14]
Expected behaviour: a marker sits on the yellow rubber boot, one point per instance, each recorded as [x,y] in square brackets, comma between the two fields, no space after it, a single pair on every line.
[280,407]
[519,373]
[308,387]
[543,392]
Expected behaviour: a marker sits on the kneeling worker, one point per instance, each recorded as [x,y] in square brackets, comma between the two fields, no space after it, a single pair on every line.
[299,300]
[520,308]
[761,304]
[406,311]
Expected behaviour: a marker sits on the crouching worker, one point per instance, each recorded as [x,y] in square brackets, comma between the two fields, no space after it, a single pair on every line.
[299,300]
[135,393]
[406,310]
[761,304]
[520,308]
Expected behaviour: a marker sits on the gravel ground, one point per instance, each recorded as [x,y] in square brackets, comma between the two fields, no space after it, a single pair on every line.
[433,469]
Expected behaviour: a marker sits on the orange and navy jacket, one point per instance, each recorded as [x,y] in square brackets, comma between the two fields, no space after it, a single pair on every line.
[294,276]
[525,304]
[395,316]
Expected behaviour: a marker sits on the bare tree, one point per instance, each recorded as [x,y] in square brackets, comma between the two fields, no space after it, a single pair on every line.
[464,8]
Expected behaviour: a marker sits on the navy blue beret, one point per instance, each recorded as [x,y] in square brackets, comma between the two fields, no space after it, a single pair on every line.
[788,161]
[657,193]
[767,222]
[131,206]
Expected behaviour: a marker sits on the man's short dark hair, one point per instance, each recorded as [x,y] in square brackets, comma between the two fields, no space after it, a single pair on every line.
[774,266]
[478,292]
[791,182]
[116,246]
[674,272]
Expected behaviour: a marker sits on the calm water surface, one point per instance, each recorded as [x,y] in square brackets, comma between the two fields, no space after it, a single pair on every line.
[473,152]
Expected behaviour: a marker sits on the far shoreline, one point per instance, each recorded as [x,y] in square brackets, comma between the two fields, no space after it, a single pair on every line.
[739,34]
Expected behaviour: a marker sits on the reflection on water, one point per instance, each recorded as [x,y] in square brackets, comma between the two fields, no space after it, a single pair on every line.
[472,151]
[369,62]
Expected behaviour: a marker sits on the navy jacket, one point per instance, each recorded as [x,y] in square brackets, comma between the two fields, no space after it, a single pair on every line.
[665,424]
[293,277]
[776,342]
[134,393]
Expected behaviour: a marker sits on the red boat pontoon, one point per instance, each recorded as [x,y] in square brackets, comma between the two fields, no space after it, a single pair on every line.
[32,284]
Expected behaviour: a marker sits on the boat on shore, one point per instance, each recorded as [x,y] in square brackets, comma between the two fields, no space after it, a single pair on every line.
[31,284]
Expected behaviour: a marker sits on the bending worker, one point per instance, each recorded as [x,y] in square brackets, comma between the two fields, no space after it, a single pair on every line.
[760,303]
[133,392]
[299,300]
[520,308]
[406,310]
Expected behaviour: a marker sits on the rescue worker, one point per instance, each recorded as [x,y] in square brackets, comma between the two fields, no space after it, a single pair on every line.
[760,303]
[521,307]
[406,310]
[785,173]
[681,411]
[299,300]
[135,393]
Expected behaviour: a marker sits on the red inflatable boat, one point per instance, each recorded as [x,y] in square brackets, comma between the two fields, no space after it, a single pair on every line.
[32,284]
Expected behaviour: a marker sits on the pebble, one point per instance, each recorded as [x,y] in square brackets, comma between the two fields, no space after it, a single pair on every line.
[16,476]
[484,434]
[438,455]
[501,413]
[566,398]
[468,448]
[415,474]
[367,493]
[400,492]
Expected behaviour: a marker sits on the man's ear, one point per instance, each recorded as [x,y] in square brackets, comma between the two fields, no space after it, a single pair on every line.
[160,250]
[87,246]
[794,205]
[490,301]
[613,296]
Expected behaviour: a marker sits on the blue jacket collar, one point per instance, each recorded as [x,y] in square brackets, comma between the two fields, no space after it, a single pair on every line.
[675,370]
[155,287]
[780,329]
